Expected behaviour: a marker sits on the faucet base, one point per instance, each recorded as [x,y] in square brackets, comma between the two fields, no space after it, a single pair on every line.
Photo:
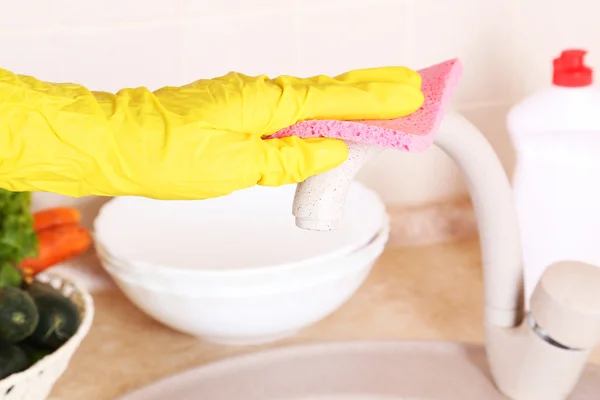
[526,367]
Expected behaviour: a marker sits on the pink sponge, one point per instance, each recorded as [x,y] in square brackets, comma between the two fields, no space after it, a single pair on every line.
[415,132]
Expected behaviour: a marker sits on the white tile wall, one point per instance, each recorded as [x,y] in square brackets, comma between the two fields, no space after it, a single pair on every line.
[478,32]
[334,39]
[545,27]
[506,46]
[215,45]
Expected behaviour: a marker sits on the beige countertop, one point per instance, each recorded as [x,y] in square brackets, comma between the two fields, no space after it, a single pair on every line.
[428,293]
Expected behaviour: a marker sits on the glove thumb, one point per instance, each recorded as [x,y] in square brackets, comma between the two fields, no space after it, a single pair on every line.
[292,160]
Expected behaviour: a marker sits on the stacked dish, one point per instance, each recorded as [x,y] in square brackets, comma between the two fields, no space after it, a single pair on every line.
[236,270]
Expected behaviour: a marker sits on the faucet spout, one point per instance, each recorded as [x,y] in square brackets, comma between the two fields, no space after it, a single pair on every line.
[319,200]
[497,223]
[319,205]
[540,357]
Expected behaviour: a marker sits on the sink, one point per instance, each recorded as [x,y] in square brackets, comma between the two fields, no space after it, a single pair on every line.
[357,370]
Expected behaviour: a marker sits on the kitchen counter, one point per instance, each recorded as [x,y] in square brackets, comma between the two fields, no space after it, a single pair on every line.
[428,293]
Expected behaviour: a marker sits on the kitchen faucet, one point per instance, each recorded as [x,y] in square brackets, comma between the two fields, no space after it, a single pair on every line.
[534,355]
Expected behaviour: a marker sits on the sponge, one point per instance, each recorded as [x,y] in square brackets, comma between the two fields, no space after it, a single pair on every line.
[413,133]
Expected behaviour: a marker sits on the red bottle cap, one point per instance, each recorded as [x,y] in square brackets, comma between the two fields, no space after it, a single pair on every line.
[570,71]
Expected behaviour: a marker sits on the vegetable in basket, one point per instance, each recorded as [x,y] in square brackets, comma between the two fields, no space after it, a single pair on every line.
[35,318]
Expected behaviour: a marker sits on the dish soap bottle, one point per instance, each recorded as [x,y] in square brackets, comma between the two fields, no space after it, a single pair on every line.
[556,135]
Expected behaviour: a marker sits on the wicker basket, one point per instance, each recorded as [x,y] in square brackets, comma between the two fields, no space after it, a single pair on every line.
[37,381]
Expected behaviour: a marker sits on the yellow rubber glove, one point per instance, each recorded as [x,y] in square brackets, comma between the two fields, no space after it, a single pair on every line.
[197,141]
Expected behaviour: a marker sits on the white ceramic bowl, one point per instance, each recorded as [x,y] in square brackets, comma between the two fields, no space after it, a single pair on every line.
[36,382]
[252,228]
[247,306]
[241,272]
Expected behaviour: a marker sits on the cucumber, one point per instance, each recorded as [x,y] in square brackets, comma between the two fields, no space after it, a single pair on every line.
[12,359]
[37,287]
[34,353]
[58,318]
[18,314]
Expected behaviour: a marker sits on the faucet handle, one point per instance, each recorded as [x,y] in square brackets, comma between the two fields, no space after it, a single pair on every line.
[565,305]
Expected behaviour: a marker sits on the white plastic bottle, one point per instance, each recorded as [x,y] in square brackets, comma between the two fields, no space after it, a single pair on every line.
[556,134]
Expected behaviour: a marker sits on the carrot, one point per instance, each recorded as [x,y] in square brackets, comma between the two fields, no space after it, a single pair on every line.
[57,244]
[55,216]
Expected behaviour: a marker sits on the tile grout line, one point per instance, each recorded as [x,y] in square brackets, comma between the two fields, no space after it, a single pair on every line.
[517,44]
[179,21]
[410,39]
[470,106]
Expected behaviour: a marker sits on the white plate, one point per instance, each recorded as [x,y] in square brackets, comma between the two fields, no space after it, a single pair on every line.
[231,232]
[375,370]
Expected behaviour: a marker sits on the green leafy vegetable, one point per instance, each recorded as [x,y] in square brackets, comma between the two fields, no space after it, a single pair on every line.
[10,275]
[18,240]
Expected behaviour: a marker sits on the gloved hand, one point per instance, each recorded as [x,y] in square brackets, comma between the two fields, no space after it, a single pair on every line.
[197,141]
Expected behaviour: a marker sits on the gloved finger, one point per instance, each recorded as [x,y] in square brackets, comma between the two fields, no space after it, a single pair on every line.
[348,97]
[382,74]
[292,160]
[260,106]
